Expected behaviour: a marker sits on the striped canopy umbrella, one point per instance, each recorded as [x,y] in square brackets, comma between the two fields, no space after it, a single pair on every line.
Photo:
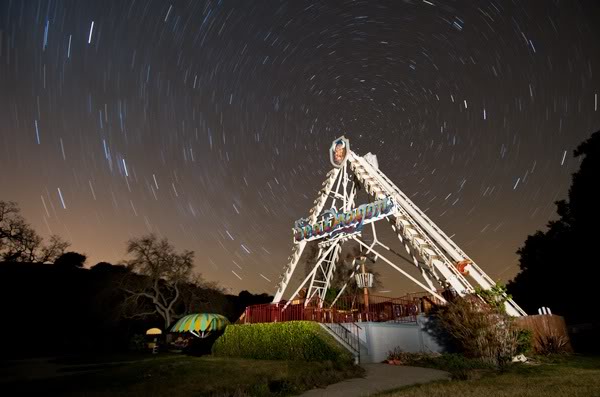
[200,324]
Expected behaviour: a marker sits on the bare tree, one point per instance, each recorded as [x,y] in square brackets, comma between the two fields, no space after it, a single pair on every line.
[164,275]
[20,243]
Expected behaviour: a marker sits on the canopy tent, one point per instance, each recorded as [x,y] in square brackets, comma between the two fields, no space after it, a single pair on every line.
[200,324]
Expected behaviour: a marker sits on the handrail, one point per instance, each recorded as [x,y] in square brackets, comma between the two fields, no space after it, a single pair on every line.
[347,336]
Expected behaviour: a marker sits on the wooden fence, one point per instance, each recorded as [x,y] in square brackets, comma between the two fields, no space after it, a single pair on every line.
[545,326]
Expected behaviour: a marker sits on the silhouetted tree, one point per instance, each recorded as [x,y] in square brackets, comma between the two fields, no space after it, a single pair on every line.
[246,298]
[164,274]
[20,243]
[109,268]
[70,260]
[559,266]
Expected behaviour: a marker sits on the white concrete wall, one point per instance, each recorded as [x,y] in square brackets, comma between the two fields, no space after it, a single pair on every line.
[378,339]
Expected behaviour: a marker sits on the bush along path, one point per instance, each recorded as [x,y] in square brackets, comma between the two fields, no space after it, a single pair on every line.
[294,340]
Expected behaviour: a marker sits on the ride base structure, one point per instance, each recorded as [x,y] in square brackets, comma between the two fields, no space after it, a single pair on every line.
[336,219]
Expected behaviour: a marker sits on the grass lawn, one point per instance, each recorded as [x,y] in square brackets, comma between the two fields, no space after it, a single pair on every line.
[192,376]
[564,376]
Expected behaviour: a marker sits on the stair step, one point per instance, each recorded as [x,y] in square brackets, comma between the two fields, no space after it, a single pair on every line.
[347,340]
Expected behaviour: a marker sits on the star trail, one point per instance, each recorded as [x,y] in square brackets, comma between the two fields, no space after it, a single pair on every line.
[209,122]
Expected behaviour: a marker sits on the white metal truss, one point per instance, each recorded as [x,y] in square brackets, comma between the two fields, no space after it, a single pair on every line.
[439,260]
[315,211]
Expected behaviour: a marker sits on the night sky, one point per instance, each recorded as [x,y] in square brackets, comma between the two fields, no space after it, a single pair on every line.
[209,122]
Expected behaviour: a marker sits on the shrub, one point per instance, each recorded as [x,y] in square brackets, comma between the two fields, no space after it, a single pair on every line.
[294,340]
[404,358]
[479,330]
[524,341]
[552,344]
[496,297]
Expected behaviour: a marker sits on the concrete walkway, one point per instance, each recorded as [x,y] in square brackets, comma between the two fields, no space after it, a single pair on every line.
[379,378]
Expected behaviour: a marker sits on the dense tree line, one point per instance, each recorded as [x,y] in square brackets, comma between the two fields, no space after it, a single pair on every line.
[52,304]
[559,266]
[57,309]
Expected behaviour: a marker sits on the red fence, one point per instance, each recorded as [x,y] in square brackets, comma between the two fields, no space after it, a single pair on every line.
[347,309]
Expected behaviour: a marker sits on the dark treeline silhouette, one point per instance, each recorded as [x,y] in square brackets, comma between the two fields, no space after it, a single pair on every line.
[559,266]
[55,309]
[71,259]
[52,305]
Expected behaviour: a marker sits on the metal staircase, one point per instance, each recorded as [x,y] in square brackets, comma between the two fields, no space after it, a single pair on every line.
[347,336]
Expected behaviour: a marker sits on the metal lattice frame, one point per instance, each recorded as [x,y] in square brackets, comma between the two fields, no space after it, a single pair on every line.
[433,253]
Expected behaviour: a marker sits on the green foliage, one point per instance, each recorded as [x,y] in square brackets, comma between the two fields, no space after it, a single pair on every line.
[496,296]
[524,341]
[294,340]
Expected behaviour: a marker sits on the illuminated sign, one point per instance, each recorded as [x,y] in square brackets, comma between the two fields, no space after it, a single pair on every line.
[332,223]
[338,153]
